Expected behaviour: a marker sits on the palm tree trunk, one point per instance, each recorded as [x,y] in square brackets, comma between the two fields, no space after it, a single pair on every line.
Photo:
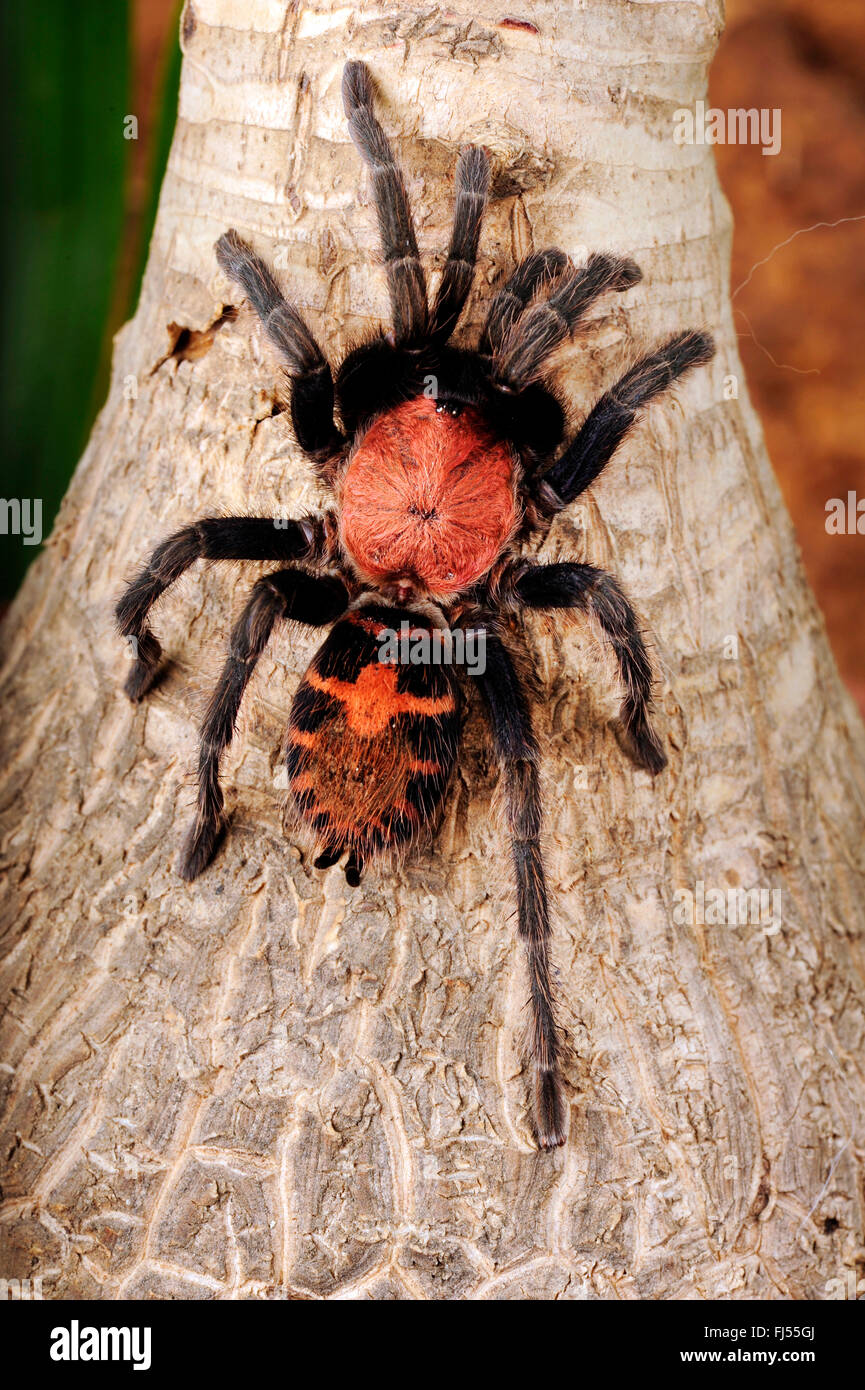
[269,1083]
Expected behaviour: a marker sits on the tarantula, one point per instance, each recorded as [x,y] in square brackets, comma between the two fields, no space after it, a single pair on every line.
[442,459]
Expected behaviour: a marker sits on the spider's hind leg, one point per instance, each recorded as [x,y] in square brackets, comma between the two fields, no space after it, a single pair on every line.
[517,751]
[286,594]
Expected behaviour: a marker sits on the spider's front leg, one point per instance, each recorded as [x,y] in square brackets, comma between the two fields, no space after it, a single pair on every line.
[598,594]
[472,186]
[405,277]
[517,751]
[306,365]
[537,269]
[288,593]
[523,349]
[215,538]
[611,418]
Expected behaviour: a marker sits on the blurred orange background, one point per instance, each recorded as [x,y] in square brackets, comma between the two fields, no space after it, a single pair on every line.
[800,314]
[798,269]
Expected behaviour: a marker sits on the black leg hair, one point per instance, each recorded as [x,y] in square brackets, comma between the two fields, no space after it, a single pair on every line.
[215,538]
[531,274]
[472,185]
[293,594]
[405,276]
[540,329]
[597,593]
[517,751]
[609,421]
[306,365]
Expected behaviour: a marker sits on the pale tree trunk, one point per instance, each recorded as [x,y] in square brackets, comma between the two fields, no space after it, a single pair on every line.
[267,1083]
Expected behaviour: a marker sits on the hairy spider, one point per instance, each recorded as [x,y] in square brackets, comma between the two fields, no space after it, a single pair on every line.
[443,457]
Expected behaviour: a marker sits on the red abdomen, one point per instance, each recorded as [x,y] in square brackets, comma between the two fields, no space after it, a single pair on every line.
[429,496]
[370,746]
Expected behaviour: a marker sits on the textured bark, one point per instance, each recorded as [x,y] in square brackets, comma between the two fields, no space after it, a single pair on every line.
[266,1083]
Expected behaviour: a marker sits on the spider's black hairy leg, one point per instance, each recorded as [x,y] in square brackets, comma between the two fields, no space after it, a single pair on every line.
[305,598]
[405,277]
[542,327]
[305,363]
[215,538]
[472,182]
[609,421]
[517,751]
[508,303]
[597,593]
